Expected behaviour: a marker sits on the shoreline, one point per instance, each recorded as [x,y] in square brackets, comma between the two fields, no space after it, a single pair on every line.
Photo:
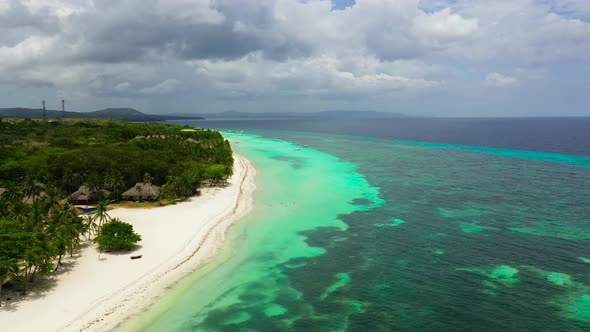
[189,235]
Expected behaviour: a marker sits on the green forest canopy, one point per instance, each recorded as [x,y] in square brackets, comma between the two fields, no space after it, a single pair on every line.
[41,163]
[110,155]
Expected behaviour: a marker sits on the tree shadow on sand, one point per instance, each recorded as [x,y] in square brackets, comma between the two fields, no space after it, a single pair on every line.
[131,251]
[43,285]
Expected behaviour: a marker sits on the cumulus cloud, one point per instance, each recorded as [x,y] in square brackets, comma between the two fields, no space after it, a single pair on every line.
[255,49]
[281,32]
[498,80]
[317,76]
[200,29]
[525,32]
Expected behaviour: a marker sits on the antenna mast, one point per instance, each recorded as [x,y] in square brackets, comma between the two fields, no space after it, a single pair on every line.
[44,114]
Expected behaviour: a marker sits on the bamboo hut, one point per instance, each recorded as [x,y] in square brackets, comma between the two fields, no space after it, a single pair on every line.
[85,194]
[141,191]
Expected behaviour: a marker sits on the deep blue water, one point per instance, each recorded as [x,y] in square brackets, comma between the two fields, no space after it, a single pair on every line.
[558,135]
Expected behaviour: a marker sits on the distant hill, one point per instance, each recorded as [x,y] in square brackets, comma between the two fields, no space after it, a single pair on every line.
[123,114]
[359,114]
[334,114]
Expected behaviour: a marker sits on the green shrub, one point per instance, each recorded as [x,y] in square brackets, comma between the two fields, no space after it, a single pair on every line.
[116,235]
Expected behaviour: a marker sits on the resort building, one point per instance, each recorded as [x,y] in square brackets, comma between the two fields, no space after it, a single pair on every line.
[85,194]
[142,191]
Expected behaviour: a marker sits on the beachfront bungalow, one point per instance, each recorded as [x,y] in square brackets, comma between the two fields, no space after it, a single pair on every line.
[85,194]
[142,191]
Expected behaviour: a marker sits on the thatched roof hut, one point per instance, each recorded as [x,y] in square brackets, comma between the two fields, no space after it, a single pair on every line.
[85,194]
[30,199]
[142,190]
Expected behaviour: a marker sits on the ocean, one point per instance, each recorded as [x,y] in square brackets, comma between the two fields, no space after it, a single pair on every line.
[399,225]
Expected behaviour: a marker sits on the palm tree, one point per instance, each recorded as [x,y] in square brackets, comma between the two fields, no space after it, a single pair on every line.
[18,208]
[147,178]
[65,229]
[101,214]
[31,188]
[75,227]
[90,226]
[39,256]
[92,182]
[52,197]
[59,239]
[8,269]
[12,193]
[69,179]
[113,181]
[36,218]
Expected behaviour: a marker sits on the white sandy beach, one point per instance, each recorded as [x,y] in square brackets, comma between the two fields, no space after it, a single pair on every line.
[89,294]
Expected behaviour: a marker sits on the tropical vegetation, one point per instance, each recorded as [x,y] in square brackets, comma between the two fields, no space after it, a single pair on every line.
[34,237]
[116,235]
[110,155]
[42,163]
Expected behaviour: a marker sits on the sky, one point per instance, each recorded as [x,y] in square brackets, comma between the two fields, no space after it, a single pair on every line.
[419,57]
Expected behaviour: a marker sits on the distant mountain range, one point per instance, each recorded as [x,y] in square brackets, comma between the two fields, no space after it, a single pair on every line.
[123,114]
[335,114]
[130,114]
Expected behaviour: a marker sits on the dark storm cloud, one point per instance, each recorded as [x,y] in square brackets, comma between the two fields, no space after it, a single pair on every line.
[27,83]
[17,23]
[131,41]
[130,33]
[267,51]
[215,42]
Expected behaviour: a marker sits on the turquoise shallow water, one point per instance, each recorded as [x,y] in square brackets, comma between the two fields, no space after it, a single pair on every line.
[373,235]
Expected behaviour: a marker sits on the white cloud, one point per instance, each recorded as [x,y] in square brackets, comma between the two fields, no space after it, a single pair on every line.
[314,76]
[166,87]
[121,87]
[195,11]
[498,80]
[524,32]
[444,27]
